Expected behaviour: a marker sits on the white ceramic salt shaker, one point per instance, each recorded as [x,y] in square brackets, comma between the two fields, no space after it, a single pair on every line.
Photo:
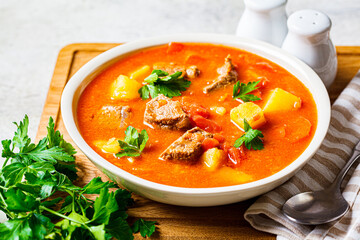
[264,20]
[309,40]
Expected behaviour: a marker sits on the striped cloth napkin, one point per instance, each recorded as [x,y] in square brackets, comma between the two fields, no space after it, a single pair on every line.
[344,132]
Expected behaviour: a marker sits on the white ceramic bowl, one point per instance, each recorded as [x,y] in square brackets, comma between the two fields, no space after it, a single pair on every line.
[196,196]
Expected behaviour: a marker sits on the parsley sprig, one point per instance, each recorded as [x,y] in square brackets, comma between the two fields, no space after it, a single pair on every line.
[34,174]
[251,138]
[242,90]
[160,82]
[134,142]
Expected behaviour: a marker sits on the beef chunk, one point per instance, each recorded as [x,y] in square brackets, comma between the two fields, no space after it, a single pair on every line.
[227,76]
[187,72]
[187,147]
[166,113]
[109,114]
[192,71]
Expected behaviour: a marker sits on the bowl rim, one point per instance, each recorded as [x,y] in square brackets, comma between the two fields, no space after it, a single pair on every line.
[323,113]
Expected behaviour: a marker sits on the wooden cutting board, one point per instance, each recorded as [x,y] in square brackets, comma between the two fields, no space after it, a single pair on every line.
[174,222]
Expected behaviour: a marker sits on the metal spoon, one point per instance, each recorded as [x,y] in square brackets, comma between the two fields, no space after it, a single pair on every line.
[313,208]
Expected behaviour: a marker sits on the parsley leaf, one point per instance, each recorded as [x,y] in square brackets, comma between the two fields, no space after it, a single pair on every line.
[95,185]
[134,143]
[41,226]
[146,228]
[55,139]
[149,90]
[119,229]
[12,173]
[123,198]
[251,138]
[16,229]
[21,139]
[53,155]
[104,206]
[34,226]
[7,153]
[160,82]
[29,188]
[17,201]
[241,91]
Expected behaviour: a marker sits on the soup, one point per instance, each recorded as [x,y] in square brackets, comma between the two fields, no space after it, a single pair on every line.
[197,115]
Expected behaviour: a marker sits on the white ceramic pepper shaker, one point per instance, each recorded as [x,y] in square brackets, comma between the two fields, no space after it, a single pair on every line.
[308,39]
[264,20]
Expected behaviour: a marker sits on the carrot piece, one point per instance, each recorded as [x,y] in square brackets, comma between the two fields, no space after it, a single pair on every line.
[175,47]
[205,124]
[219,137]
[297,130]
[209,143]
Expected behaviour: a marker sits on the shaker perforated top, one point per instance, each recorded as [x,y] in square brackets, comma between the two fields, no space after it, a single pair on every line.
[309,22]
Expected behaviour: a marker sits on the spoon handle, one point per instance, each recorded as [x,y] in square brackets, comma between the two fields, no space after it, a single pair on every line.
[355,156]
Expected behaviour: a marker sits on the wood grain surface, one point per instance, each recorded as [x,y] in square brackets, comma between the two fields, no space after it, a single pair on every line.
[174,222]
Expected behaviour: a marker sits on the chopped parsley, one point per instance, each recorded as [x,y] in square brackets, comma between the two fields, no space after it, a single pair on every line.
[160,82]
[134,142]
[251,138]
[242,90]
[35,175]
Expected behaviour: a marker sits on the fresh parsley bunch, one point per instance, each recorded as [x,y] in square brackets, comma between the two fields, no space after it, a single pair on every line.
[160,82]
[242,90]
[39,172]
[251,138]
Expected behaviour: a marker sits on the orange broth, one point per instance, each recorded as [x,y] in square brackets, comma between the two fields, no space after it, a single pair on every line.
[279,151]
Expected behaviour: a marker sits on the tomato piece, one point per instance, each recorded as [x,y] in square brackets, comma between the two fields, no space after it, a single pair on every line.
[175,47]
[193,109]
[219,137]
[236,155]
[263,82]
[206,124]
[225,146]
[194,59]
[209,143]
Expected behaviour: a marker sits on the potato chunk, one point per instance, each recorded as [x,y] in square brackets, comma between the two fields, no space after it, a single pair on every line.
[281,100]
[141,73]
[213,158]
[249,110]
[99,143]
[234,176]
[110,146]
[218,110]
[124,88]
